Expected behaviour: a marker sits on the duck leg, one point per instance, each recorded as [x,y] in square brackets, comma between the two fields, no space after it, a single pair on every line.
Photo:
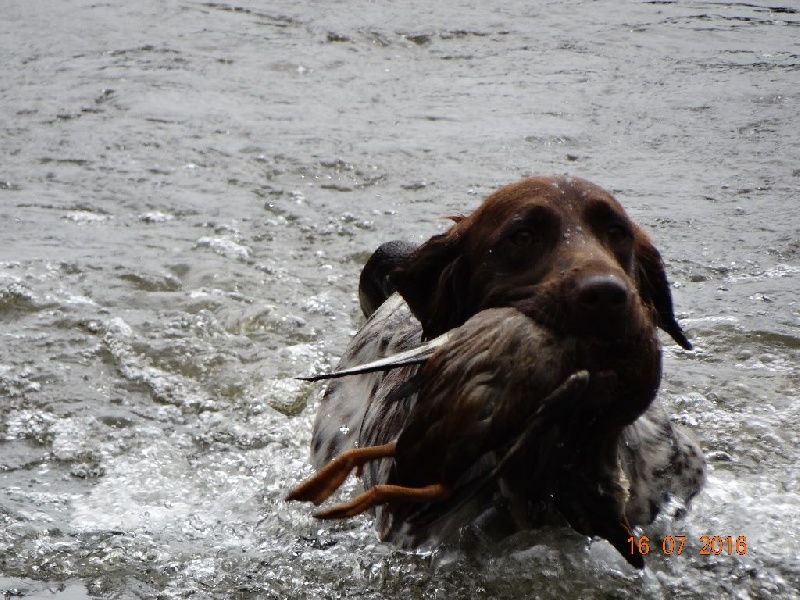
[381,494]
[327,480]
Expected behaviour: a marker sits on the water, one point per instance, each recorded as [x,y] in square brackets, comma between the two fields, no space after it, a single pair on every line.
[188,190]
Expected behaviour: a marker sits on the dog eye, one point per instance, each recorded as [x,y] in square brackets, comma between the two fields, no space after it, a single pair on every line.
[523,237]
[618,233]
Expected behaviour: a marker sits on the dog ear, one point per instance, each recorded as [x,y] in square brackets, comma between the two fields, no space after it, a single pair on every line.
[654,288]
[433,281]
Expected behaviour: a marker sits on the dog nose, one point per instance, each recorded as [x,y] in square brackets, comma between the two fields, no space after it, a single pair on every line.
[601,294]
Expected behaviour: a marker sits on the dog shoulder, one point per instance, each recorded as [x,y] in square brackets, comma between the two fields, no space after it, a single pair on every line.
[390,329]
[662,462]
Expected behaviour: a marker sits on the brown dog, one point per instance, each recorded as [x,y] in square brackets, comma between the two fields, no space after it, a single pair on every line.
[564,254]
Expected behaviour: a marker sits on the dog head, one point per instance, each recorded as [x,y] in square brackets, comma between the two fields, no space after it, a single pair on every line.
[561,250]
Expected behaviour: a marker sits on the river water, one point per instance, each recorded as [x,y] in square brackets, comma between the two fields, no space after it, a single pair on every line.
[188,190]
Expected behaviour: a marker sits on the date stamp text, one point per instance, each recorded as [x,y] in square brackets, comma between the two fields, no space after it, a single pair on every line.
[671,545]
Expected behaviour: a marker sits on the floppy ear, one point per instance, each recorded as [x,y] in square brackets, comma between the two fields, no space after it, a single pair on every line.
[654,288]
[433,281]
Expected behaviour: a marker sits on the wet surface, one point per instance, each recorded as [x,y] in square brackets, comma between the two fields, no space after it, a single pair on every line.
[188,190]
